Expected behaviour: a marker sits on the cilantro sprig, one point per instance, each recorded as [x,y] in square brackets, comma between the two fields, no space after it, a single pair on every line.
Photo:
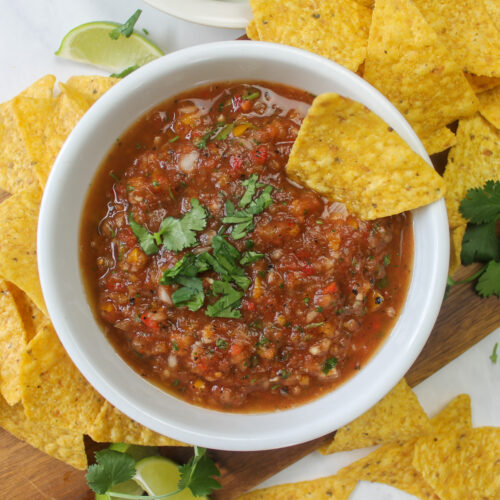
[114,467]
[481,206]
[127,28]
[174,234]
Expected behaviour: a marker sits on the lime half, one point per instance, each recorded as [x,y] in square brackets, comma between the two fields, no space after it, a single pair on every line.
[137,452]
[159,475]
[90,43]
[130,487]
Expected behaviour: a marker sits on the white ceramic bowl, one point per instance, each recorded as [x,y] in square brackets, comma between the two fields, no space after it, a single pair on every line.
[221,14]
[59,267]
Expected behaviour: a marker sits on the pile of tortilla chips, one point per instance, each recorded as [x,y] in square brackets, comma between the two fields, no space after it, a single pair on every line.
[438,458]
[437,61]
[44,399]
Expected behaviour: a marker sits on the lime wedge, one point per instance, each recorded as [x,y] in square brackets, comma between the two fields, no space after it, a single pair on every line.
[130,487]
[159,475]
[137,452]
[90,43]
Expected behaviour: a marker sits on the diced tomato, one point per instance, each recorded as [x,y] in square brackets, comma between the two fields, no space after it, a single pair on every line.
[149,322]
[250,305]
[235,349]
[259,155]
[303,253]
[237,100]
[308,270]
[246,106]
[331,288]
[126,236]
[114,284]
[236,163]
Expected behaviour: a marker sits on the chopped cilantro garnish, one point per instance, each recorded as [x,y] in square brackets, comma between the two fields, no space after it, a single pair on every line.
[221,343]
[224,132]
[226,306]
[314,325]
[328,365]
[114,176]
[307,300]
[250,257]
[127,28]
[251,184]
[191,294]
[263,341]
[284,374]
[176,138]
[494,355]
[251,97]
[145,238]
[387,260]
[125,72]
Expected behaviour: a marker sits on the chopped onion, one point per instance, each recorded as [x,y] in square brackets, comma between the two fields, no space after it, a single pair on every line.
[188,161]
[164,295]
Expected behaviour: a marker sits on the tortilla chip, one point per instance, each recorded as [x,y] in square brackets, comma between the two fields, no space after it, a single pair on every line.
[461,464]
[66,112]
[482,83]
[391,464]
[12,344]
[493,8]
[111,425]
[54,391]
[43,88]
[62,444]
[16,172]
[336,29]
[489,106]
[18,224]
[440,140]
[408,63]
[251,30]
[474,160]
[456,415]
[348,154]
[467,30]
[397,416]
[456,237]
[91,87]
[334,487]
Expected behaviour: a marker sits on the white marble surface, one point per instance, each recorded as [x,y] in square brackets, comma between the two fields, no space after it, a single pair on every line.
[30,33]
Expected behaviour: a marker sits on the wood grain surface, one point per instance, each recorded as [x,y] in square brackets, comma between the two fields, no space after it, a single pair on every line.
[28,474]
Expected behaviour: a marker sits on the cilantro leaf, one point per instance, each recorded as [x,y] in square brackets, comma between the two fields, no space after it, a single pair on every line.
[328,365]
[112,468]
[226,306]
[251,184]
[482,205]
[127,28]
[191,294]
[250,257]
[125,72]
[489,282]
[494,355]
[480,244]
[197,474]
[224,132]
[145,238]
[189,266]
[177,234]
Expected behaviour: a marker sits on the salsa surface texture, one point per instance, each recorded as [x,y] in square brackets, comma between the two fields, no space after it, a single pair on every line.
[218,279]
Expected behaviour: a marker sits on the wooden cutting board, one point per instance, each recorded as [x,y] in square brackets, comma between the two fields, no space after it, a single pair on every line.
[464,319]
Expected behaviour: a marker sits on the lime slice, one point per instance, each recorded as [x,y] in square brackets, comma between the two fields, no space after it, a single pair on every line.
[90,43]
[136,451]
[159,475]
[130,487]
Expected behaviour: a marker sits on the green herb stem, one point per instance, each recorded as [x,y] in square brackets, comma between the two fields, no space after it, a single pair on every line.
[451,282]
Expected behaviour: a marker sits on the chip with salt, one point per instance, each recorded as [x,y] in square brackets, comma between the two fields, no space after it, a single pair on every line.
[43,88]
[334,487]
[467,30]
[493,8]
[482,83]
[336,29]
[471,162]
[12,344]
[18,224]
[489,106]
[408,63]
[91,87]
[251,30]
[455,415]
[347,153]
[461,464]
[54,391]
[111,425]
[439,140]
[62,444]
[70,105]
[397,416]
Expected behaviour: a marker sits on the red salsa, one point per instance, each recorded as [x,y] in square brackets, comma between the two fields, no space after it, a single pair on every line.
[217,278]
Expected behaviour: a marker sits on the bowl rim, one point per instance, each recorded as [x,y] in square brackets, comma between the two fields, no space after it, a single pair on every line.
[236,428]
[214,13]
